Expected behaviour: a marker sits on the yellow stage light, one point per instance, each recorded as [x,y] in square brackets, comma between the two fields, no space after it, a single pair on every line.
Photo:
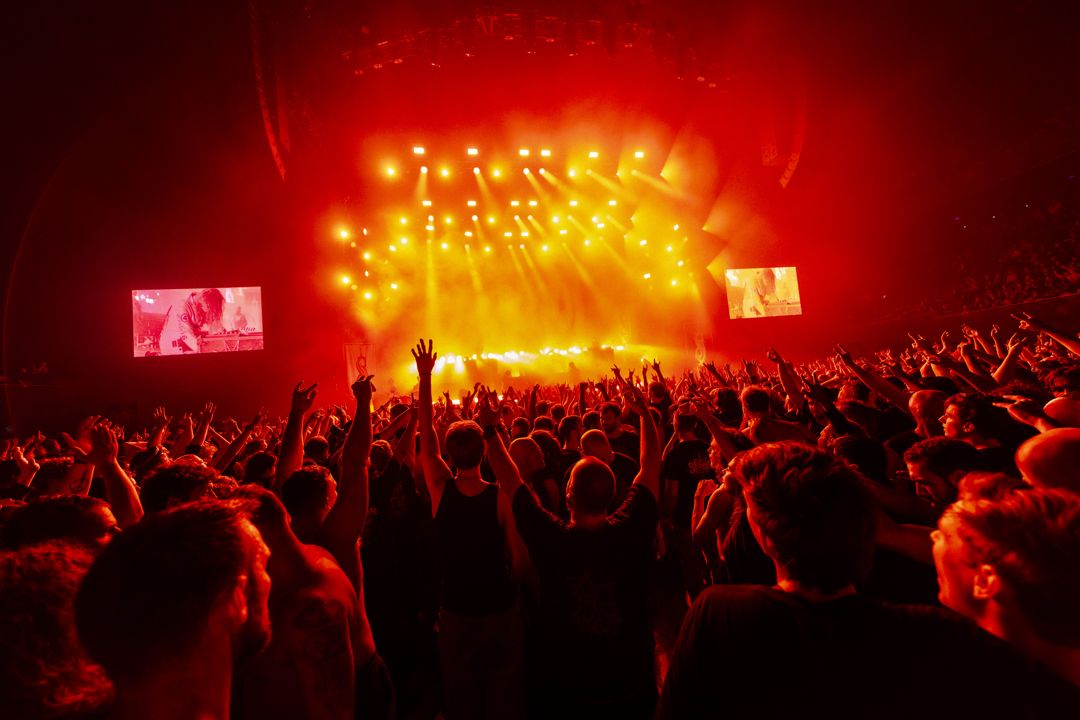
[676,228]
[343,234]
[544,248]
[393,286]
[476,171]
[353,286]
[542,171]
[639,154]
[545,153]
[418,150]
[563,231]
[366,255]
[367,295]
[555,219]
[429,227]
[448,220]
[514,203]
[491,219]
[508,234]
[352,244]
[391,172]
[475,218]
[426,203]
[572,173]
[487,248]
[643,242]
[600,225]
[393,248]
[468,233]
[345,280]
[674,282]
[526,171]
[533,203]
[444,172]
[594,154]
[471,203]
[669,248]
[680,263]
[472,151]
[404,241]
[521,247]
[524,233]
[423,169]
[404,220]
[496,173]
[647,276]
[612,203]
[573,203]
[431,218]
[523,152]
[445,246]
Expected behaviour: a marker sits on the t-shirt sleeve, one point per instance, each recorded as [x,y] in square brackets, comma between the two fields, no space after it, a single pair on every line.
[536,525]
[638,513]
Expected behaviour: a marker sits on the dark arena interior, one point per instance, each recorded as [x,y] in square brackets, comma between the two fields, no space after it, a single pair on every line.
[600,359]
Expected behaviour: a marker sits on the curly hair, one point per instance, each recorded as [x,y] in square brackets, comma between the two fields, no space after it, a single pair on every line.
[44,670]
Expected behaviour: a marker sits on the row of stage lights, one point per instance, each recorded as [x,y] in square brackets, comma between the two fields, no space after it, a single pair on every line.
[444,172]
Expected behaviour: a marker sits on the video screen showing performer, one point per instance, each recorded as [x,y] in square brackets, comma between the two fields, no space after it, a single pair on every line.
[762,292]
[196,320]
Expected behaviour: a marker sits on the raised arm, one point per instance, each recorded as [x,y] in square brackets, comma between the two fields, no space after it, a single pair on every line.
[345,522]
[405,449]
[649,472]
[790,383]
[292,443]
[1069,342]
[506,472]
[1005,371]
[120,490]
[436,473]
[875,382]
[225,456]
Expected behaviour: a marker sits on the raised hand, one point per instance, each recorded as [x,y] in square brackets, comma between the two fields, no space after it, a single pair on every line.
[362,390]
[104,446]
[842,353]
[773,356]
[80,444]
[208,411]
[1029,322]
[1016,341]
[25,461]
[159,417]
[487,409]
[425,357]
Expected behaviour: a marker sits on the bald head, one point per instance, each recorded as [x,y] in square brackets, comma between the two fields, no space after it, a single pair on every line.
[1051,459]
[526,454]
[594,443]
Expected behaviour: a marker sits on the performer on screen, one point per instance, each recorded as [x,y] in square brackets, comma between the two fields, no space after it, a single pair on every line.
[184,325]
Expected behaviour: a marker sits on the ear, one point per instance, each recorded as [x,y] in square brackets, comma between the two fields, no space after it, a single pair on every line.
[968,428]
[986,583]
[237,608]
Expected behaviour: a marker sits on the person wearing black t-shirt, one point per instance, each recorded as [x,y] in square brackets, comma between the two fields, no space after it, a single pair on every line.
[812,646]
[685,465]
[594,609]
[622,439]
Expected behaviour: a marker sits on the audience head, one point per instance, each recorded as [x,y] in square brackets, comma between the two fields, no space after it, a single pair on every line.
[520,427]
[1052,459]
[927,407]
[973,418]
[865,455]
[317,449]
[260,468]
[1010,564]
[685,425]
[544,422]
[177,483]
[936,466]
[44,670]
[309,493]
[570,429]
[610,417]
[591,488]
[756,400]
[591,420]
[465,445]
[71,519]
[381,455]
[527,456]
[178,585]
[145,462]
[810,514]
[594,443]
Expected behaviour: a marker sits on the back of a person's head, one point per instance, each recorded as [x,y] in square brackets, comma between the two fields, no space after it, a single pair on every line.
[1031,538]
[943,456]
[520,426]
[549,446]
[728,403]
[594,443]
[317,448]
[259,468]
[755,399]
[44,670]
[987,486]
[147,598]
[544,422]
[1052,459]
[465,444]
[76,519]
[590,420]
[145,462]
[558,412]
[591,487]
[175,484]
[944,385]
[568,426]
[865,455]
[812,510]
[308,491]
[685,422]
[381,454]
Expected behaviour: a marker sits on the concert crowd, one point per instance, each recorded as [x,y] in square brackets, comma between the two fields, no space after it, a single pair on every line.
[890,534]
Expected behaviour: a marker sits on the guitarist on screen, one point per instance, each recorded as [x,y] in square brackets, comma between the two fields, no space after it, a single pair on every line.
[184,326]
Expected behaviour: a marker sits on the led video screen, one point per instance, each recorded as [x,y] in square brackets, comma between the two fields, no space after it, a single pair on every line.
[192,321]
[762,292]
